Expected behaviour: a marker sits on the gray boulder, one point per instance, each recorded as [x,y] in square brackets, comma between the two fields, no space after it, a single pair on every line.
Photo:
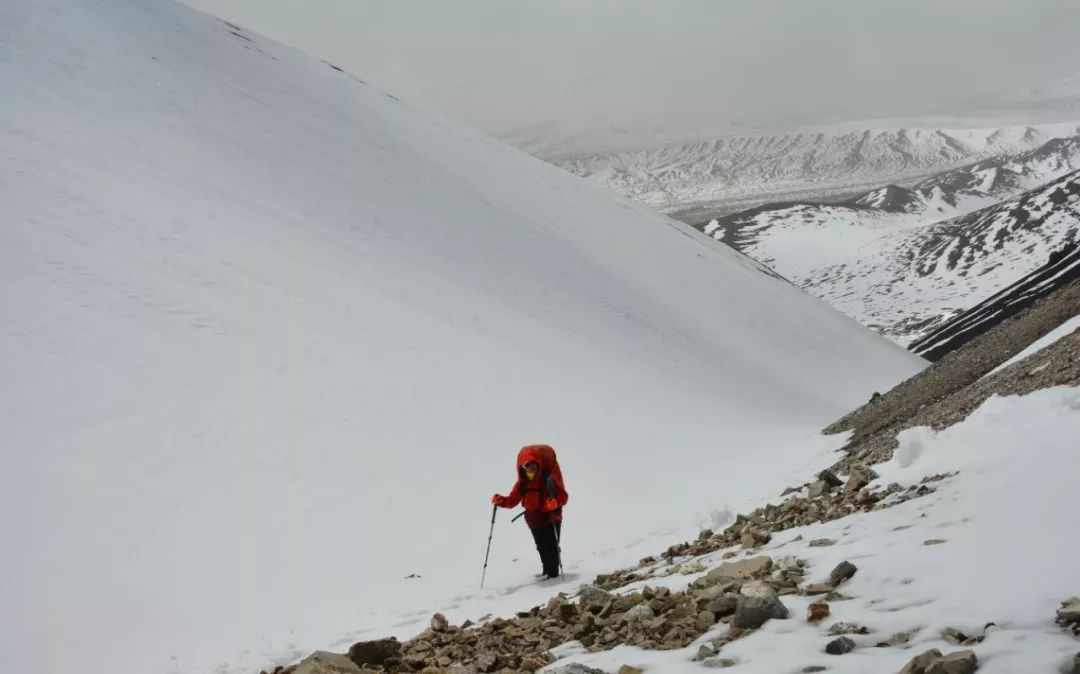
[753,612]
[840,646]
[843,571]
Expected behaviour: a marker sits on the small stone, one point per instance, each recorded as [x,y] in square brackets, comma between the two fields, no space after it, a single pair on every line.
[755,539]
[840,629]
[744,569]
[817,588]
[830,478]
[822,542]
[921,662]
[819,488]
[933,662]
[953,635]
[719,663]
[934,541]
[704,652]
[813,668]
[723,606]
[322,662]
[753,612]
[960,662]
[705,534]
[1069,612]
[705,620]
[531,664]
[859,476]
[593,596]
[840,646]
[843,571]
[817,612]
[757,588]
[640,612]
[439,623]
[576,668]
[375,652]
[627,669]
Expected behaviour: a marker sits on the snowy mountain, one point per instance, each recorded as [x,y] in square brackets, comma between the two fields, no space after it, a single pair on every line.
[271,339]
[903,259]
[700,181]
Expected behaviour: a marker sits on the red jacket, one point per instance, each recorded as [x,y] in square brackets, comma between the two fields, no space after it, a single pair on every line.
[544,496]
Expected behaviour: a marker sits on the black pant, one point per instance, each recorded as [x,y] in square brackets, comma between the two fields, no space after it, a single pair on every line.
[547,544]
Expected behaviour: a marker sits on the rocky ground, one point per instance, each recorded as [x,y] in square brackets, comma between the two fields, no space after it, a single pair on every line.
[746,588]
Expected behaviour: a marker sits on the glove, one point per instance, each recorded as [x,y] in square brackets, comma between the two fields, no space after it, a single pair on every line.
[550,505]
[497,499]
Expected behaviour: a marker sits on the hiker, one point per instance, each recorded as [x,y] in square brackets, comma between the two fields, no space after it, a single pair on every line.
[540,490]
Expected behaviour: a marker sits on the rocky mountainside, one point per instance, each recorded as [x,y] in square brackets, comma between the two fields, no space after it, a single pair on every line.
[703,180]
[1061,269]
[902,260]
[897,553]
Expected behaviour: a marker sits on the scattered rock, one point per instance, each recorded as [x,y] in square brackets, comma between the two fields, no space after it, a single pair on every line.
[705,534]
[840,629]
[898,639]
[757,588]
[723,605]
[840,646]
[627,669]
[439,623]
[640,612]
[817,612]
[577,668]
[933,662]
[843,571]
[755,539]
[375,652]
[1068,616]
[704,652]
[743,569]
[753,612]
[719,663]
[817,588]
[818,489]
[593,596]
[531,664]
[814,668]
[822,542]
[321,662]
[830,478]
[859,476]
[934,541]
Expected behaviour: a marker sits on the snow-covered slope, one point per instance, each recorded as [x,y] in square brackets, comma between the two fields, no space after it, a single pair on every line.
[901,260]
[270,339]
[702,180]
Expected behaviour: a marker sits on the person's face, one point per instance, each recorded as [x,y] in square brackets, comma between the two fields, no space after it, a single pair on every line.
[531,469]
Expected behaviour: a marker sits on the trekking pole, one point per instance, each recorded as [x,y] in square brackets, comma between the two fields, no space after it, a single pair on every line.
[558,547]
[494,509]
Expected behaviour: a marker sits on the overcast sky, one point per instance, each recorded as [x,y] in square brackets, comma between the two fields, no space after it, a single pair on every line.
[666,69]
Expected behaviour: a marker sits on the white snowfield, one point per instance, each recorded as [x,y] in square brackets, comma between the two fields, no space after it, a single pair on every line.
[1002,558]
[733,173]
[270,339]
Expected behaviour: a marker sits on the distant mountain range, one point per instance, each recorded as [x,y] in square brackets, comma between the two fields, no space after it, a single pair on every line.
[905,259]
[696,182]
